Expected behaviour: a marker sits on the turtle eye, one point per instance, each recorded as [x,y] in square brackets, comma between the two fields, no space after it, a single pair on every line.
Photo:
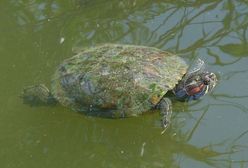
[206,80]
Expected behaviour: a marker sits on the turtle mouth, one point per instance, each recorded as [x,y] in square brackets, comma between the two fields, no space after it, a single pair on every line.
[210,81]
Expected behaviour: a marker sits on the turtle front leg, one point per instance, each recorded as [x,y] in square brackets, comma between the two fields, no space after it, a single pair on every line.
[165,107]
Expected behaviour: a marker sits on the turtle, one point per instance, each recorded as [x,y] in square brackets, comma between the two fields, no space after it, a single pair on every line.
[121,80]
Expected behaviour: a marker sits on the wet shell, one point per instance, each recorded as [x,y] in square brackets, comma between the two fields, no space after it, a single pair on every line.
[126,80]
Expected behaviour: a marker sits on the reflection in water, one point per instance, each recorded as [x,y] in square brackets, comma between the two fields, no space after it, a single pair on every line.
[212,23]
[207,154]
[214,29]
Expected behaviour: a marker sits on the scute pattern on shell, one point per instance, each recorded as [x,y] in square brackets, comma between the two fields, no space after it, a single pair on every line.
[127,79]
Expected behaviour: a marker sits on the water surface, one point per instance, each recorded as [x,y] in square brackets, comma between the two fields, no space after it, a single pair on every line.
[37,35]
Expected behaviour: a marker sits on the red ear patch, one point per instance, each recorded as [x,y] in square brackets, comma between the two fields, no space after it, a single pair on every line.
[194,90]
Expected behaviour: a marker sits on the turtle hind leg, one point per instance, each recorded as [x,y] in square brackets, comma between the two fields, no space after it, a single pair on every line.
[37,95]
[165,107]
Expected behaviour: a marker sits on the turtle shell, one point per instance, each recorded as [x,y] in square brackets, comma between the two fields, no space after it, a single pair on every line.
[124,79]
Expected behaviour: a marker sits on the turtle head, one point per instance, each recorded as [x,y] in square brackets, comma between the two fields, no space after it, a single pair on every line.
[195,84]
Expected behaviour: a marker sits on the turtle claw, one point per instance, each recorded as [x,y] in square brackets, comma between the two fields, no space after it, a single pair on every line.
[165,123]
[162,132]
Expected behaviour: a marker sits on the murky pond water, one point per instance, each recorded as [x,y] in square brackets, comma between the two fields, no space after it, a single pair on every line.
[37,35]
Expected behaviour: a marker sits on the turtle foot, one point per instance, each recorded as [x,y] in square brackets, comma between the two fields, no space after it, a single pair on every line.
[165,112]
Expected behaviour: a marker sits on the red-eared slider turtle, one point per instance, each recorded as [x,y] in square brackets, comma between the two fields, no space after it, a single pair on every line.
[115,80]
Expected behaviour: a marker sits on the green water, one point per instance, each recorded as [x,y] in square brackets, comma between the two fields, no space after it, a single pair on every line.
[37,35]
